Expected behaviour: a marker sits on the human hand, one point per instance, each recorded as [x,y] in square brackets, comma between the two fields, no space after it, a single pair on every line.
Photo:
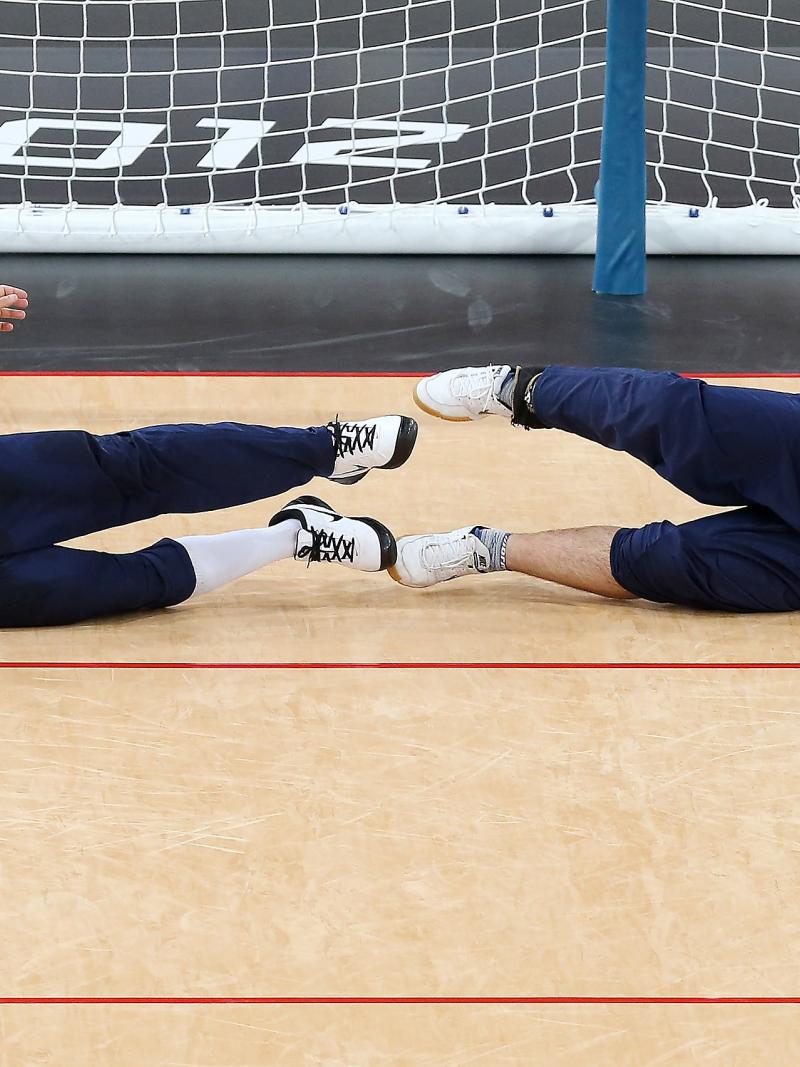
[12,306]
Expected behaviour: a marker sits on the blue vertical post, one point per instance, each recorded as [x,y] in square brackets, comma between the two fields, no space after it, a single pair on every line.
[621,265]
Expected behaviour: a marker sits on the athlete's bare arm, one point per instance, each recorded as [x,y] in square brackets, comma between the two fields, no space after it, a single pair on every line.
[13,303]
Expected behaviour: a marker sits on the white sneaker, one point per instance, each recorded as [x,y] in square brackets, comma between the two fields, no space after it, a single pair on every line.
[432,558]
[385,442]
[464,394]
[327,537]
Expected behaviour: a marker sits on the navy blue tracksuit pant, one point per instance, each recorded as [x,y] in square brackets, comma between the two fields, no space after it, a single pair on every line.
[736,448]
[60,485]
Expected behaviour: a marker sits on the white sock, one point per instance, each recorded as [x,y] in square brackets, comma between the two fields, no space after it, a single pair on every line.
[221,558]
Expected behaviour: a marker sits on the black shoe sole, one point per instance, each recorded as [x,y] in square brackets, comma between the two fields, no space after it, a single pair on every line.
[404,446]
[386,539]
[289,513]
[406,439]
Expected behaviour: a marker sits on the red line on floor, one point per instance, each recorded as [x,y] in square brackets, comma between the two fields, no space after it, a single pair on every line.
[309,374]
[206,374]
[741,374]
[210,665]
[400,1000]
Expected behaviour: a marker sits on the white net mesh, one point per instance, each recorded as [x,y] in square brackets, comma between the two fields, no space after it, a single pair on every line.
[369,107]
[724,101]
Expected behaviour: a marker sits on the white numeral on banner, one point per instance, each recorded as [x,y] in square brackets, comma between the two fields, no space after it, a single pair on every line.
[131,140]
[240,138]
[230,149]
[399,134]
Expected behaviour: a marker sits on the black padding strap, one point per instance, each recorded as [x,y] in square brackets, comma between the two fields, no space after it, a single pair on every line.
[522,412]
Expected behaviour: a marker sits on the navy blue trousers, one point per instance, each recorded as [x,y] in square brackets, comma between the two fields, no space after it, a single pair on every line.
[732,447]
[64,484]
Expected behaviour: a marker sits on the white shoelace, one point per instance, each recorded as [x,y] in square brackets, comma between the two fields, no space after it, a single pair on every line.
[448,555]
[477,385]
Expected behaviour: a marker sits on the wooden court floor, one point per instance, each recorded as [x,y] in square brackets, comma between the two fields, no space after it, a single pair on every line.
[509,809]
[483,472]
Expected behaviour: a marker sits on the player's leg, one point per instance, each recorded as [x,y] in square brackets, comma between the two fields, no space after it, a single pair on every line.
[745,560]
[55,586]
[63,484]
[721,445]
[307,529]
[579,558]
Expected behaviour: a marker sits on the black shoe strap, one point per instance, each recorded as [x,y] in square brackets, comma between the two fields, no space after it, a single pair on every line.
[522,411]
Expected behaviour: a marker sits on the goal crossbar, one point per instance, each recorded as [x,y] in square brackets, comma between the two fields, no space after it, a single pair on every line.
[397,126]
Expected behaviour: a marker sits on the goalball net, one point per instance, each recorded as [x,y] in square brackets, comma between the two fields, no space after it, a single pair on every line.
[386,125]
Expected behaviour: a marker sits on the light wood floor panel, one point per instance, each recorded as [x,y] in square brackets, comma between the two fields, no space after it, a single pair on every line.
[458,475]
[474,832]
[398,833]
[401,1036]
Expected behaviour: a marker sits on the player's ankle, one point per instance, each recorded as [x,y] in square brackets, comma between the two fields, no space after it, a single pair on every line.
[523,411]
[495,542]
[505,390]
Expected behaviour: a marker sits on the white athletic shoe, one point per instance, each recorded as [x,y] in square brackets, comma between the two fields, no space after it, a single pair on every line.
[464,394]
[432,558]
[385,442]
[327,537]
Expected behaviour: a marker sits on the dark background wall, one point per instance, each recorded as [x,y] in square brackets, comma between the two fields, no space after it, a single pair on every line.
[514,83]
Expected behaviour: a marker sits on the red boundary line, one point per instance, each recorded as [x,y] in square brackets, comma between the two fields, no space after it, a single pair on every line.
[372,666]
[741,374]
[210,665]
[308,374]
[208,374]
[400,1000]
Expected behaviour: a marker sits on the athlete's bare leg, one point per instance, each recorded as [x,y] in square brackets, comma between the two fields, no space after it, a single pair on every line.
[728,446]
[578,558]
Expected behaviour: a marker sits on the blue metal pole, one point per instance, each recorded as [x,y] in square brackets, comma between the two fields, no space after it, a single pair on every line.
[620,266]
